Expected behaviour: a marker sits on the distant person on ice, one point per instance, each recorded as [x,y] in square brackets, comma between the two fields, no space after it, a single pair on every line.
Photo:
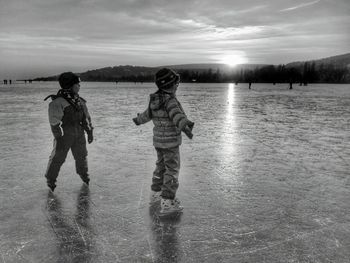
[68,117]
[169,121]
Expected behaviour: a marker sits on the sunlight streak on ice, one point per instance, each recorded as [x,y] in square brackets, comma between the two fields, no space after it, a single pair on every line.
[229,135]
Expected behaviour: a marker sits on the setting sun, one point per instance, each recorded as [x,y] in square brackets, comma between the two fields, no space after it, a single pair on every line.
[233,60]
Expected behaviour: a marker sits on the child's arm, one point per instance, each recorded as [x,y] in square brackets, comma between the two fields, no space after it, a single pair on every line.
[55,118]
[178,116]
[142,117]
[87,125]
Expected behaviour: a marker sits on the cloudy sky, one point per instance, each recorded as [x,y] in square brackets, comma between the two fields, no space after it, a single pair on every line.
[41,37]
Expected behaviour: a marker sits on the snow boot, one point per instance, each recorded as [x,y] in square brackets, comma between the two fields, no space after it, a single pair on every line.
[52,186]
[155,197]
[170,206]
[85,178]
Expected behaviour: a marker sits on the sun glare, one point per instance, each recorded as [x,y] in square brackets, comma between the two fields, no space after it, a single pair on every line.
[233,60]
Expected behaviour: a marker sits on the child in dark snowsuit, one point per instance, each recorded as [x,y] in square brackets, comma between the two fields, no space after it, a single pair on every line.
[68,117]
[169,121]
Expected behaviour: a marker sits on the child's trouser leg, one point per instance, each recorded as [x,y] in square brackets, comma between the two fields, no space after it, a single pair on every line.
[157,179]
[172,167]
[57,158]
[80,153]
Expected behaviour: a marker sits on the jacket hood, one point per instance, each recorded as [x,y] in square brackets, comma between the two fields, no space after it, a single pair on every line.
[158,99]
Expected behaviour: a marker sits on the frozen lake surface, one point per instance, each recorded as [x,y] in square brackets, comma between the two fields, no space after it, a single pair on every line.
[265,178]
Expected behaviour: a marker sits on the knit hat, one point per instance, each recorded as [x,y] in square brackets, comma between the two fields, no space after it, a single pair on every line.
[67,80]
[166,79]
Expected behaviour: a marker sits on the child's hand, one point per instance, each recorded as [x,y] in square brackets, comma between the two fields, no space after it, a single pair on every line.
[190,125]
[90,136]
[188,132]
[135,121]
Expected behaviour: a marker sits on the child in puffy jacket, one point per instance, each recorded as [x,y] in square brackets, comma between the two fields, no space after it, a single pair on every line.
[169,121]
[69,118]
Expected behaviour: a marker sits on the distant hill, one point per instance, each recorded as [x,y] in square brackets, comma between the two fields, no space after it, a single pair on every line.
[109,73]
[219,72]
[146,73]
[116,73]
[340,61]
[222,67]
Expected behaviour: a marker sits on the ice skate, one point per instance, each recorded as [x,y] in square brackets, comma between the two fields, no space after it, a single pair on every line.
[85,178]
[170,207]
[86,181]
[155,198]
[52,186]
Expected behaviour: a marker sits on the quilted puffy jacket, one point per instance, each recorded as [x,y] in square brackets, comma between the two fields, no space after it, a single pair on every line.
[169,120]
[68,119]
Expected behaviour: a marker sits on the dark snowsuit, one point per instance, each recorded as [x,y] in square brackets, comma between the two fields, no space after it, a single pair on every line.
[169,120]
[68,117]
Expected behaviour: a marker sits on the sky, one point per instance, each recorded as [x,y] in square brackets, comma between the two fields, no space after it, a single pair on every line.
[47,37]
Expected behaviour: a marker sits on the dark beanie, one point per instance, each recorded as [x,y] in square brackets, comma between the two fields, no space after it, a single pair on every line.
[166,78]
[67,80]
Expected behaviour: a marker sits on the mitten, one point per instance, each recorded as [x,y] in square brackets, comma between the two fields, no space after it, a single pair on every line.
[188,131]
[90,136]
[135,121]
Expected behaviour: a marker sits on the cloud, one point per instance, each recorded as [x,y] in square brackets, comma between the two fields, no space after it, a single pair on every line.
[91,33]
[300,6]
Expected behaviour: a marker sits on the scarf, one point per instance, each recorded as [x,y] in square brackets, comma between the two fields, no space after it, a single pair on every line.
[72,98]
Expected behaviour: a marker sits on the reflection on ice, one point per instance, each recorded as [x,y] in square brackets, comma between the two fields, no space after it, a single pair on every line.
[230,95]
[229,126]
[265,178]
[74,234]
[165,237]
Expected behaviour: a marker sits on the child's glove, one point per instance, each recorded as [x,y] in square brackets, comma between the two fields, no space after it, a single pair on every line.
[90,136]
[188,129]
[190,124]
[188,132]
[135,121]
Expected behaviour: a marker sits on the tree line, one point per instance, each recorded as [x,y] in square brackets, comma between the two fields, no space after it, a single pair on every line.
[304,73]
[308,72]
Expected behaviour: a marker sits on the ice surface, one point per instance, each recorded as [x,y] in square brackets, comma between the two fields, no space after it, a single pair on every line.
[265,179]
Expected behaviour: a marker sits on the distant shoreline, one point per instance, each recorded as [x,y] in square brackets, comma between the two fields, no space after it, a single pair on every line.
[151,82]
